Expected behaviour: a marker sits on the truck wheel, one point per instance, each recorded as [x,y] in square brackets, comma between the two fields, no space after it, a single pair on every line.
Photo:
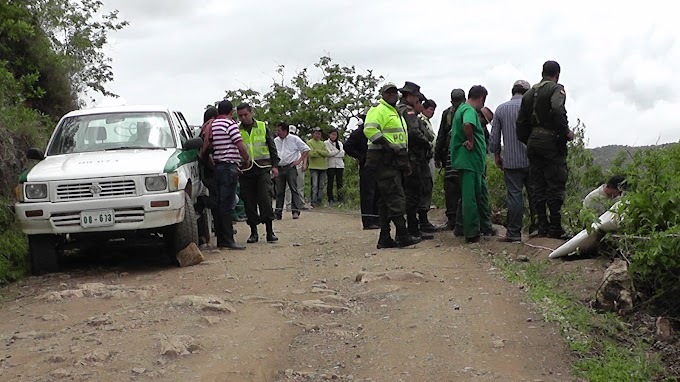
[42,252]
[180,235]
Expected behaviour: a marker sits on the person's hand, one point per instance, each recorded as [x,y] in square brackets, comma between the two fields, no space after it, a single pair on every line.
[499,161]
[246,163]
[275,172]
[407,171]
[304,166]
[438,164]
[570,135]
[395,149]
[469,145]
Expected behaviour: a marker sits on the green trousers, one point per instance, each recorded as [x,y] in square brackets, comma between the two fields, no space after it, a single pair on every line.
[475,198]
[239,210]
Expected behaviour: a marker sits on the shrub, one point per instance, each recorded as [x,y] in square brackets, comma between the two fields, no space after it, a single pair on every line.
[650,230]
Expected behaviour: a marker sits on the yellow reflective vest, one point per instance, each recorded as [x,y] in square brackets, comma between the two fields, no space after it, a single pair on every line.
[383,120]
[256,143]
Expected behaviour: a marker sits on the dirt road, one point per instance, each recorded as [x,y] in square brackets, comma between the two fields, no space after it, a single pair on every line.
[321,304]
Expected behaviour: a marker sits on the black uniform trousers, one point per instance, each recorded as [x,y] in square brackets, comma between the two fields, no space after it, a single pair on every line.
[368,196]
[548,182]
[256,192]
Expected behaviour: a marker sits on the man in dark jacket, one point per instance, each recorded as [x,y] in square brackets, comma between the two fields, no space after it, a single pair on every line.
[356,147]
[543,126]
[442,158]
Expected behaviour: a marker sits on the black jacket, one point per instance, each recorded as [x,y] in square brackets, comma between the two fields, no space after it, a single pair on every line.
[357,145]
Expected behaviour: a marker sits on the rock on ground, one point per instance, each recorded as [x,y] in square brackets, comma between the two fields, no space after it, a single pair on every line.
[175,346]
[191,255]
[616,291]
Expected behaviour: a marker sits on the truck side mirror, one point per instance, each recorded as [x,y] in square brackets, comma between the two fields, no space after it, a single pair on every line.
[34,153]
[193,144]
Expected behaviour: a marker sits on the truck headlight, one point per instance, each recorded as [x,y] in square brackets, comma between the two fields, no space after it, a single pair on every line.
[35,190]
[156,183]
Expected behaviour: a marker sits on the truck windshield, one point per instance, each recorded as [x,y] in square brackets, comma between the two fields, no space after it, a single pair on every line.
[112,131]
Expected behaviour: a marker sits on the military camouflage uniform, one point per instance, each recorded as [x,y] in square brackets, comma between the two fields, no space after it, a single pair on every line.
[542,124]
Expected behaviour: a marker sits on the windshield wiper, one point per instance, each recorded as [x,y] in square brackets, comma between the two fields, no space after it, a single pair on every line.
[135,148]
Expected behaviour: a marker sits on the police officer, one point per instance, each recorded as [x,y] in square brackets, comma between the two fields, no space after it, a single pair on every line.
[256,180]
[542,125]
[415,184]
[387,153]
[442,159]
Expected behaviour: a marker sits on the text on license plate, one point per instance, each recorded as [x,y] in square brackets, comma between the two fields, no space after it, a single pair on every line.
[99,218]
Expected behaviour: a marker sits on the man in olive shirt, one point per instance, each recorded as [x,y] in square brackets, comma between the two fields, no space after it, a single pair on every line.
[543,126]
[415,183]
[468,156]
[442,159]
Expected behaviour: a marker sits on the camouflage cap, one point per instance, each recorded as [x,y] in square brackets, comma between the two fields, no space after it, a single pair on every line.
[388,86]
[523,84]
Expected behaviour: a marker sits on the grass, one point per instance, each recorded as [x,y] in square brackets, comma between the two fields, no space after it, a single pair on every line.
[604,347]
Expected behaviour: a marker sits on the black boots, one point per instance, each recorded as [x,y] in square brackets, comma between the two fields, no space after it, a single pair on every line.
[225,232]
[270,232]
[253,235]
[425,225]
[404,238]
[414,228]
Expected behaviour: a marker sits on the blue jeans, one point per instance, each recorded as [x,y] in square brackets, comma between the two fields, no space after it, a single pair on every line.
[226,177]
[318,178]
[515,180]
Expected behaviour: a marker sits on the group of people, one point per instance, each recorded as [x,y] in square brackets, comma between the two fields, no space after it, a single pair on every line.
[399,150]
[398,153]
[245,155]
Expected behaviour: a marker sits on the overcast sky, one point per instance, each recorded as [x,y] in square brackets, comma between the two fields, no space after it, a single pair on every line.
[620,62]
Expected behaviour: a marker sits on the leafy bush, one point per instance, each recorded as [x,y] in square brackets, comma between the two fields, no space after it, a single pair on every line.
[651,226]
[13,247]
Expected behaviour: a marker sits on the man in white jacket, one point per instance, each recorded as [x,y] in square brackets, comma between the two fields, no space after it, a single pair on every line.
[336,165]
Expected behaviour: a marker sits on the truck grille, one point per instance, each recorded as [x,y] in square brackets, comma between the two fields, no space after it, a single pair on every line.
[90,190]
[122,215]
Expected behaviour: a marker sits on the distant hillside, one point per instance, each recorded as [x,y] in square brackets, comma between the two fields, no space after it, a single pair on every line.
[605,155]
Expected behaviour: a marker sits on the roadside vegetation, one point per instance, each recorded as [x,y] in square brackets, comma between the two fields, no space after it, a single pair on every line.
[51,62]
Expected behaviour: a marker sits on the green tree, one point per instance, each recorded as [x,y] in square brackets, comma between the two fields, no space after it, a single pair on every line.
[78,35]
[340,94]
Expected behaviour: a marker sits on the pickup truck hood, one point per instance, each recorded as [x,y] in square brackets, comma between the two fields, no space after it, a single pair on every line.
[100,164]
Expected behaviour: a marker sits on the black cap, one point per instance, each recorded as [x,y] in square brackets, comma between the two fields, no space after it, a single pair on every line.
[411,88]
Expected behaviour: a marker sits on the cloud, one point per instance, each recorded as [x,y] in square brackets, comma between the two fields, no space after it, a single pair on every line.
[618,62]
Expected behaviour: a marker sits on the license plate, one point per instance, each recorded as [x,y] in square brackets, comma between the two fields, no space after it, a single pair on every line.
[99,218]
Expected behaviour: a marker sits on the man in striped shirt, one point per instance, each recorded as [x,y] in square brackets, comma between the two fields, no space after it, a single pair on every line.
[227,150]
[514,161]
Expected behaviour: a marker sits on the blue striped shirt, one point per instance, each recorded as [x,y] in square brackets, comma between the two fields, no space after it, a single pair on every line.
[514,152]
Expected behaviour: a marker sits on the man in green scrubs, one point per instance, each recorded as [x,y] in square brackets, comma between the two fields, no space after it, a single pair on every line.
[468,156]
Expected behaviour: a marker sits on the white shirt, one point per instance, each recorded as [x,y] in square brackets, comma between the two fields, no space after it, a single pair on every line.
[598,200]
[290,149]
[335,155]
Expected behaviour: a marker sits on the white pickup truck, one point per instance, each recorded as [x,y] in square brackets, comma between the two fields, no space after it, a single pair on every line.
[127,172]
